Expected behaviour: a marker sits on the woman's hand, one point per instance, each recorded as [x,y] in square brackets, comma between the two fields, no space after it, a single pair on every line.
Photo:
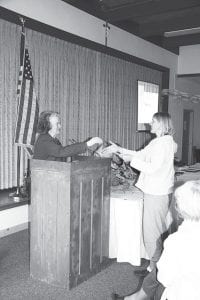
[113,148]
[93,141]
[126,157]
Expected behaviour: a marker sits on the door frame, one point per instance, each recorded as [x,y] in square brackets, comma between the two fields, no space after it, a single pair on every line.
[190,138]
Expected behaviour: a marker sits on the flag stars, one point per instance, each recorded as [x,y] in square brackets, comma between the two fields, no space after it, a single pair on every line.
[27,66]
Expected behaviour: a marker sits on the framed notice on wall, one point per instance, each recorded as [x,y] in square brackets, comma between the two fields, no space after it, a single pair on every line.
[147,105]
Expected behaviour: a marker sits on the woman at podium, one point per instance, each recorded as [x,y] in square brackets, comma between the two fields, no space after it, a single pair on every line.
[48,147]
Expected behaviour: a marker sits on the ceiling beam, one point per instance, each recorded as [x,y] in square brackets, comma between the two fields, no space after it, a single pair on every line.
[129,26]
[148,9]
[183,40]
[93,7]
[165,16]
[118,4]
[158,28]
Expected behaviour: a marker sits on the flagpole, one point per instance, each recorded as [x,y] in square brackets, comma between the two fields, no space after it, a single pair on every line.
[28,113]
[17,195]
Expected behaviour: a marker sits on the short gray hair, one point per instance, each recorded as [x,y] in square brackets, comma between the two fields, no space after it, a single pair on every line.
[188,200]
[44,121]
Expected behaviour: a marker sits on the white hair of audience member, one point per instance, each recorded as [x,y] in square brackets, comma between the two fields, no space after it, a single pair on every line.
[188,200]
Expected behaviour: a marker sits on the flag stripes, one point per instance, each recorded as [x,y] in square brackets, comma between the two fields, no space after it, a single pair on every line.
[28,109]
[20,80]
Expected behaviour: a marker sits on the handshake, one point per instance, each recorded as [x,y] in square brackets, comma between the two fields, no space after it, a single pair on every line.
[107,151]
[125,154]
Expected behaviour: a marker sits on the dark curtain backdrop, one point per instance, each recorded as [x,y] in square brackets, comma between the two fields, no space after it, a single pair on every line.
[95,93]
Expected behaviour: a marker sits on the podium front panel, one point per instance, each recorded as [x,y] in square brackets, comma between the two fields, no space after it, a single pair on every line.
[90,210]
[70,208]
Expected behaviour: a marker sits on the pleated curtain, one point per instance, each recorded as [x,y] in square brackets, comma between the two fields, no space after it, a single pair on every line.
[95,93]
[9,66]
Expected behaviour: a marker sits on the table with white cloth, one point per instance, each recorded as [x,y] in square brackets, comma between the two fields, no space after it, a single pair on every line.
[125,239]
[186,173]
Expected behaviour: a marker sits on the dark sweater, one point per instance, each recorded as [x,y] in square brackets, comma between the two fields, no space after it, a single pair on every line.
[48,148]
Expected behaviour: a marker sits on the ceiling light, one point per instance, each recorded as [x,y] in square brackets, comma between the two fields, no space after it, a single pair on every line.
[182,32]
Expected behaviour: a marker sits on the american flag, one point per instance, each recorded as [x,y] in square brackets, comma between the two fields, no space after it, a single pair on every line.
[28,109]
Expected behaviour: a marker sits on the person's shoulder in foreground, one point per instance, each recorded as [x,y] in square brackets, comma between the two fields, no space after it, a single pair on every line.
[178,267]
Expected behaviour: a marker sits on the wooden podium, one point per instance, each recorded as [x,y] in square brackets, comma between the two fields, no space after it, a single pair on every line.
[70,211]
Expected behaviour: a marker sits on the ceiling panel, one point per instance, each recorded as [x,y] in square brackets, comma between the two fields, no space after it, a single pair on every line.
[149,19]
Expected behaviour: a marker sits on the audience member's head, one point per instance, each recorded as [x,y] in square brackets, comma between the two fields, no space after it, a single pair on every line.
[188,200]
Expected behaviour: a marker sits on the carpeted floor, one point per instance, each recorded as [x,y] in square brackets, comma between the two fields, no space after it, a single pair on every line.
[16,284]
